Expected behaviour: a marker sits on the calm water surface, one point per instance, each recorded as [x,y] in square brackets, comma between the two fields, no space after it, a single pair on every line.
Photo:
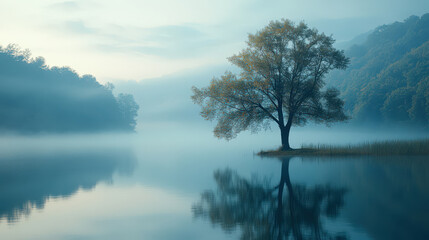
[113,188]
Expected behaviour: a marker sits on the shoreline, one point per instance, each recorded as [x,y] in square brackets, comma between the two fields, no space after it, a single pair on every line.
[381,148]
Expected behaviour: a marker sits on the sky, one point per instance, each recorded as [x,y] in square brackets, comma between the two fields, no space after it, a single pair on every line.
[142,40]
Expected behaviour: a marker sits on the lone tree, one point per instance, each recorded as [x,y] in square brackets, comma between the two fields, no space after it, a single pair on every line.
[281,80]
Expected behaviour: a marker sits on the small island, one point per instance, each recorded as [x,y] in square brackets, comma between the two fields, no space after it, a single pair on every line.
[380,148]
[291,74]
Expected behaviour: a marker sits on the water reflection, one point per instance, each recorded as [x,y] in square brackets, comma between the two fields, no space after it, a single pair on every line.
[263,211]
[388,196]
[28,179]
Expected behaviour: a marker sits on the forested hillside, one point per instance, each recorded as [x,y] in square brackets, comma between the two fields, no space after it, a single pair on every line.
[388,77]
[38,98]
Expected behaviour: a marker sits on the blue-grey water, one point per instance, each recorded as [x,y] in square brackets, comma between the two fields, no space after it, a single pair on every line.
[192,186]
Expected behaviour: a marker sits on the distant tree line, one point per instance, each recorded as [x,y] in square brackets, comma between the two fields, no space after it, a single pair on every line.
[37,98]
[388,78]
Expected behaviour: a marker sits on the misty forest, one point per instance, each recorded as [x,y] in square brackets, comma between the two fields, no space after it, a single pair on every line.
[38,98]
[200,122]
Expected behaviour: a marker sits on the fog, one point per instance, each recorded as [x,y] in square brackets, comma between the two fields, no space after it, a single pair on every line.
[136,160]
[113,185]
[168,116]
[36,98]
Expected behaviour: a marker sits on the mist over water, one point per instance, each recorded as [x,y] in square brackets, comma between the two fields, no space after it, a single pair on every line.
[77,163]
[144,185]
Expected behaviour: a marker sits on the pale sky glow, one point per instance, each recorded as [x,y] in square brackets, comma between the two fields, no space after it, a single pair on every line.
[143,39]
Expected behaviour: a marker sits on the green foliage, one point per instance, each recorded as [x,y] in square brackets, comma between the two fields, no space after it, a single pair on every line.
[378,148]
[388,74]
[398,103]
[128,108]
[234,103]
[37,98]
[281,80]
[419,111]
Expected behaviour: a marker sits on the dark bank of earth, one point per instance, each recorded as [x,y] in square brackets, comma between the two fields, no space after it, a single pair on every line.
[384,148]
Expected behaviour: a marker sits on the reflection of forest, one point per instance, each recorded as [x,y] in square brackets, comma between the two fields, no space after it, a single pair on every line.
[28,181]
[266,212]
[388,196]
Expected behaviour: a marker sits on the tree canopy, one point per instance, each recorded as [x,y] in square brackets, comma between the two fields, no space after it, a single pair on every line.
[37,98]
[281,80]
[387,81]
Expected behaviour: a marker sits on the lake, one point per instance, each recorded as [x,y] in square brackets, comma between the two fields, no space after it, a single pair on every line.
[189,187]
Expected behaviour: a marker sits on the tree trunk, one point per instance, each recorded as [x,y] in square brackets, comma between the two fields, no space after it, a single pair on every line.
[293,203]
[293,221]
[284,131]
[280,211]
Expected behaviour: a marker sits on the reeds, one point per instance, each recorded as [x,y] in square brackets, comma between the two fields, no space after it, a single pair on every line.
[379,148]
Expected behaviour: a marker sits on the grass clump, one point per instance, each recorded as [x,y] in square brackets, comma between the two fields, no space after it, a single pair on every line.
[380,148]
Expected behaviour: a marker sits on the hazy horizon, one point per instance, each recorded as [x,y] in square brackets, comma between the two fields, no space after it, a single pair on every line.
[297,138]
[151,39]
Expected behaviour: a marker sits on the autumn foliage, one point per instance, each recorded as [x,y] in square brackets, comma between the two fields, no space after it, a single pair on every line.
[281,80]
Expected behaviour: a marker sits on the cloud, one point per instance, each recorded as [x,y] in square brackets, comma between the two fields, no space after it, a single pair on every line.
[172,41]
[173,33]
[68,6]
[166,36]
[78,27]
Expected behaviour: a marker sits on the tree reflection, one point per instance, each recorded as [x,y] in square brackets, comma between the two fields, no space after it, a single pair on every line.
[266,212]
[28,180]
